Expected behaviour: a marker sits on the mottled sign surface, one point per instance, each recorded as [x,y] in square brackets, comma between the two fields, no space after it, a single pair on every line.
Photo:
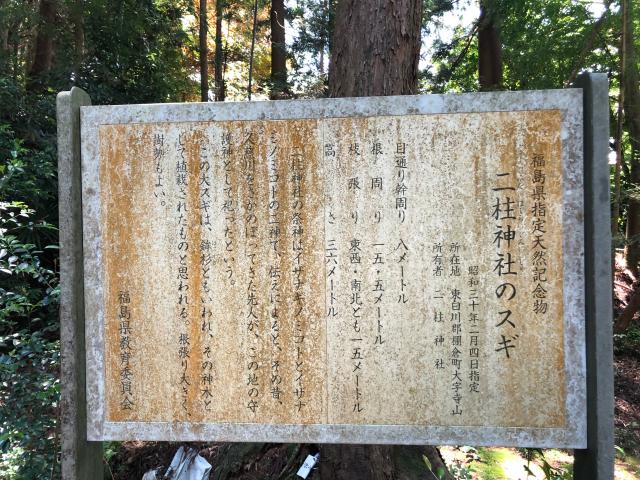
[395,270]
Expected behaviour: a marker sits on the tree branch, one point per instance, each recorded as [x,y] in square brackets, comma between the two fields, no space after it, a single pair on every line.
[588,46]
[458,60]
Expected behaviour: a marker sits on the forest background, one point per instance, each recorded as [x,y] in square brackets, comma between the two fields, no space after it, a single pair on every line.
[142,51]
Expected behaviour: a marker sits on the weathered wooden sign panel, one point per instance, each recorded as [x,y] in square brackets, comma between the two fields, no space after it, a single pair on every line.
[396,270]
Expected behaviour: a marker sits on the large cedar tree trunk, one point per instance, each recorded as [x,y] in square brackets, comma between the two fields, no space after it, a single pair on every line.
[632,120]
[379,462]
[489,48]
[218,60]
[375,51]
[43,48]
[376,48]
[279,87]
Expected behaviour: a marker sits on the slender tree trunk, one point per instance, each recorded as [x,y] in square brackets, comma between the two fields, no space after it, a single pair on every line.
[204,64]
[4,40]
[4,49]
[632,121]
[279,87]
[78,37]
[615,211]
[15,57]
[375,51]
[43,55]
[489,48]
[218,60]
[617,188]
[376,48]
[323,38]
[321,62]
[253,46]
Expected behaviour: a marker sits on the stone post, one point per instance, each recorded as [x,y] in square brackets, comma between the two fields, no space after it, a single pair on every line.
[81,460]
[597,461]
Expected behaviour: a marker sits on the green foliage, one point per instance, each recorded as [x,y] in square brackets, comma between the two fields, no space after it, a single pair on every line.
[550,472]
[109,456]
[543,42]
[311,46]
[136,52]
[432,10]
[238,32]
[27,289]
[490,464]
[30,118]
[29,176]
[439,472]
[560,25]
[628,343]
[460,472]
[454,65]
[29,350]
[29,394]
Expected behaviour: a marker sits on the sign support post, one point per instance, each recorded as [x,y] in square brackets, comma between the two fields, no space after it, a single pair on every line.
[80,459]
[596,462]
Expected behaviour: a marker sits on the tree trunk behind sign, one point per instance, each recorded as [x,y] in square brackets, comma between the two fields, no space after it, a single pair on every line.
[4,40]
[375,51]
[219,74]
[278,51]
[489,48]
[632,121]
[376,48]
[77,16]
[204,65]
[43,54]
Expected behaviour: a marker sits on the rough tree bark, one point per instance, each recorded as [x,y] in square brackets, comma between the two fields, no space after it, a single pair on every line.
[631,95]
[279,88]
[43,47]
[203,50]
[376,48]
[375,51]
[218,60]
[489,48]
[379,462]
